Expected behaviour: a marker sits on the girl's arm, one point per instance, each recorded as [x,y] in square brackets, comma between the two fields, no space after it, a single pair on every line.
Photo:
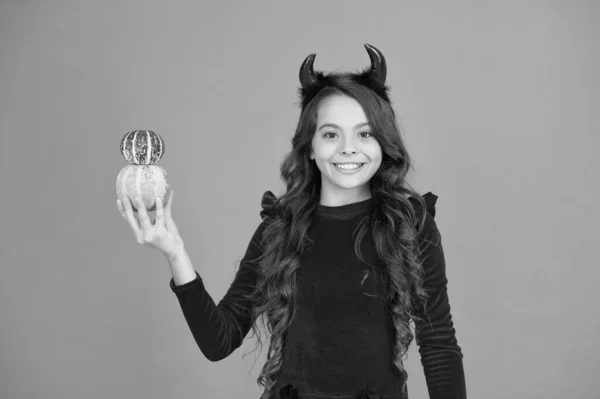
[217,329]
[441,356]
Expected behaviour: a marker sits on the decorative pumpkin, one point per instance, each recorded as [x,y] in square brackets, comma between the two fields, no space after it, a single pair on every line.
[146,181]
[142,147]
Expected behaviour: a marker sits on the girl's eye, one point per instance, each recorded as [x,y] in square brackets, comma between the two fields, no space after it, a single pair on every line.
[325,134]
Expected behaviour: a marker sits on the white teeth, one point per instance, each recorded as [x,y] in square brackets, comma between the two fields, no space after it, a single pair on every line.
[348,166]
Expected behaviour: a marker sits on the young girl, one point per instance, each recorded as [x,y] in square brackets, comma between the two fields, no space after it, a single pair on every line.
[341,263]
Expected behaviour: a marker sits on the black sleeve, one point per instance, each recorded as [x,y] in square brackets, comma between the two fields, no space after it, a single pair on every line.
[441,356]
[220,329]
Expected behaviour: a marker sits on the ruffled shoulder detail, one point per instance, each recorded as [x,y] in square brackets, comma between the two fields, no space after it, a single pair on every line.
[430,200]
[428,223]
[268,199]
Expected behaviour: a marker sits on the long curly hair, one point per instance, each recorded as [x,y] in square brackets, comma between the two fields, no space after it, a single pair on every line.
[394,221]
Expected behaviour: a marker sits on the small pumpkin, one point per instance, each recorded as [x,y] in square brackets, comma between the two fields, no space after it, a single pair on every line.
[142,147]
[146,181]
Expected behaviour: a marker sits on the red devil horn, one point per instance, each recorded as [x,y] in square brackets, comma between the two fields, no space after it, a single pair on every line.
[378,66]
[307,73]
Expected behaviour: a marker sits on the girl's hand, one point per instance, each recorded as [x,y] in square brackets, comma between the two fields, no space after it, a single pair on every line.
[162,234]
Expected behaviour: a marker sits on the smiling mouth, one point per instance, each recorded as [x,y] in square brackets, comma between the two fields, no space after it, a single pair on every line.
[360,165]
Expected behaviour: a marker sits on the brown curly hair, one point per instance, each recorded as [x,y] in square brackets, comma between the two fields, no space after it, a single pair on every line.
[395,223]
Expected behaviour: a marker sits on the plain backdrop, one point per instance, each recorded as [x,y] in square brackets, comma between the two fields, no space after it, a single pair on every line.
[498,102]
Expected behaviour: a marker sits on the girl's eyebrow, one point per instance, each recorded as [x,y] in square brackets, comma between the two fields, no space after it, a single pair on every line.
[337,127]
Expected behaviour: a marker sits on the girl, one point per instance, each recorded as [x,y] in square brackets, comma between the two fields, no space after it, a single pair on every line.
[341,263]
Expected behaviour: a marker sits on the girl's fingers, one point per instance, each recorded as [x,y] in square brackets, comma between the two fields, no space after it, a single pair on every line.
[142,214]
[130,218]
[120,207]
[169,202]
[159,211]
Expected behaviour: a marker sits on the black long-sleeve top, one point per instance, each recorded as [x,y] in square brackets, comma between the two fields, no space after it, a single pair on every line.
[340,343]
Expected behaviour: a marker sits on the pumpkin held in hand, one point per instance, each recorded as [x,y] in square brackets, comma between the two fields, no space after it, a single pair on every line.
[142,147]
[146,181]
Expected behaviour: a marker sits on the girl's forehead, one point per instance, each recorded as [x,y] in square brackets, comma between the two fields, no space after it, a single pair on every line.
[340,108]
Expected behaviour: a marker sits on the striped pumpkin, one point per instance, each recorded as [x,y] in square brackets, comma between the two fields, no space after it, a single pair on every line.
[146,181]
[142,147]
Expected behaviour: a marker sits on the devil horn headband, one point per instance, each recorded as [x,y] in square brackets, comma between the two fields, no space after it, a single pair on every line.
[373,77]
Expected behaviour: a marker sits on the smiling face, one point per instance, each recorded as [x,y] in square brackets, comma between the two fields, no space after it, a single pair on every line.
[343,136]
